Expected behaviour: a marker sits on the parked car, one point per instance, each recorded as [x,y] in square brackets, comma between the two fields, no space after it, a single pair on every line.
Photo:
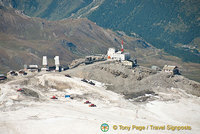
[3,77]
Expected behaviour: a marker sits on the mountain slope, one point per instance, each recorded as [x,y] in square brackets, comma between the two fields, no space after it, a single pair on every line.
[171,25]
[23,112]
[162,23]
[24,40]
[32,111]
[53,9]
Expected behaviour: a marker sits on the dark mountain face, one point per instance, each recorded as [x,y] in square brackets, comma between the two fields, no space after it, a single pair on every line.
[162,23]
[48,9]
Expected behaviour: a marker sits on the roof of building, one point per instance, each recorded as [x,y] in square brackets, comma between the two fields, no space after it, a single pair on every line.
[2,75]
[169,67]
[33,66]
[111,48]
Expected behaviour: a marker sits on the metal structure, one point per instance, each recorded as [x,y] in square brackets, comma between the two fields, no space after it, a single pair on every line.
[122,47]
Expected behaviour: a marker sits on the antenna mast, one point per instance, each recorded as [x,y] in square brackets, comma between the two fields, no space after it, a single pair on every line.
[122,47]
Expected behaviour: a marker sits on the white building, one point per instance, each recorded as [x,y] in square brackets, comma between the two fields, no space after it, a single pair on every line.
[44,61]
[33,68]
[127,63]
[113,54]
[57,62]
[45,64]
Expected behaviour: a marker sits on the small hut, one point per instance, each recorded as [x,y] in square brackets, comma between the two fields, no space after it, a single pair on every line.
[172,69]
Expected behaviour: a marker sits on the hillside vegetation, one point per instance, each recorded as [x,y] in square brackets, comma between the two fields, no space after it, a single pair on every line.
[162,23]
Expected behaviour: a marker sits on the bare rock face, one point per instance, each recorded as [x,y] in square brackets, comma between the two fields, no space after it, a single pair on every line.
[114,72]
[136,82]
[29,92]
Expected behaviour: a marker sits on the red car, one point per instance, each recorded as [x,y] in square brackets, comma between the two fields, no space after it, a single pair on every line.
[87,102]
[54,97]
[92,105]
[20,90]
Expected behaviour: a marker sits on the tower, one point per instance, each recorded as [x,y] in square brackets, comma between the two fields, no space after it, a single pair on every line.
[44,61]
[57,62]
[122,47]
[44,64]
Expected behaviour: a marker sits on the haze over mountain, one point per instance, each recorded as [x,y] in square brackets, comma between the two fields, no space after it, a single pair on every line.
[172,25]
